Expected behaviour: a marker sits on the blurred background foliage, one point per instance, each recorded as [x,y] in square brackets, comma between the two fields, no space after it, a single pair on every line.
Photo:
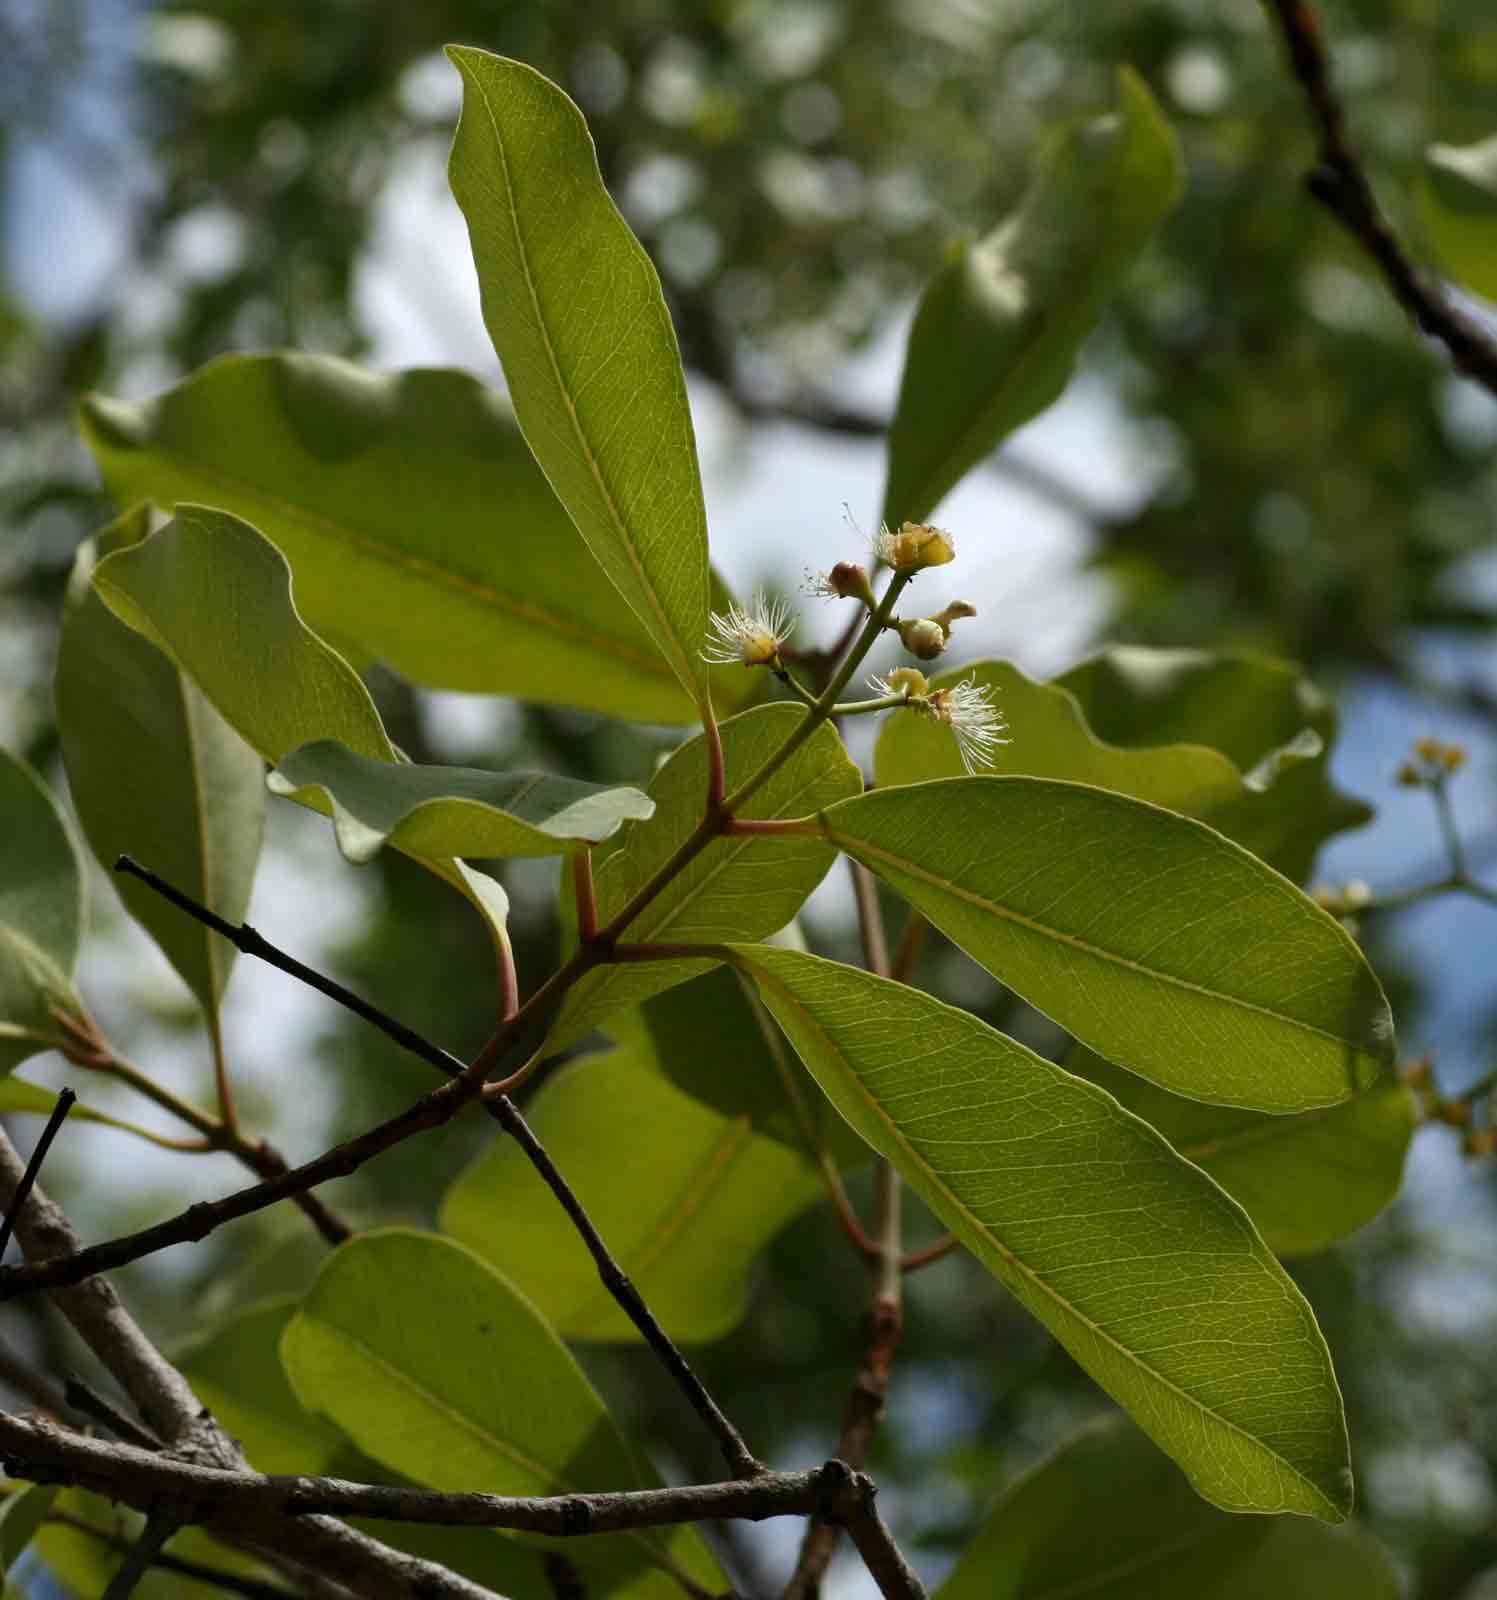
[1311,482]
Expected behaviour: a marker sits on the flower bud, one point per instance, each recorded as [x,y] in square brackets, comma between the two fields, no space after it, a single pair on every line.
[923,638]
[1408,776]
[907,680]
[915,547]
[847,581]
[957,609]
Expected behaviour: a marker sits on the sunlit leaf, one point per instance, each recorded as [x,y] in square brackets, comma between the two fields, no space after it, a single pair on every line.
[998,330]
[1305,1180]
[1143,1269]
[418,525]
[1154,940]
[482,1396]
[236,1371]
[155,772]
[743,887]
[216,596]
[1107,1517]
[575,311]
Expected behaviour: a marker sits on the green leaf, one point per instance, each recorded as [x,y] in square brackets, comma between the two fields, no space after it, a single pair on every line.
[215,595]
[714,1041]
[1107,1517]
[21,1515]
[1279,803]
[575,311]
[19,1097]
[1305,1180]
[739,888]
[482,1396]
[451,811]
[41,914]
[1458,201]
[999,327]
[686,1199]
[236,1372]
[1138,1264]
[156,773]
[1266,718]
[1163,946]
[418,525]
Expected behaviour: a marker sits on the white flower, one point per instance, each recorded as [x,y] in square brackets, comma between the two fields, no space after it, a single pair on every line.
[752,637]
[967,710]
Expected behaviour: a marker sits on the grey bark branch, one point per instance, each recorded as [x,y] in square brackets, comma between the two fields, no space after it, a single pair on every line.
[166,1402]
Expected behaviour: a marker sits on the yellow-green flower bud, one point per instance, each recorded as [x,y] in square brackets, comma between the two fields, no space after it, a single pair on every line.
[923,638]
[915,547]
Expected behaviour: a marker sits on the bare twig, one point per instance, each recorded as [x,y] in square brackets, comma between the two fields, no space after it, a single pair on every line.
[143,1553]
[434,1109]
[215,1577]
[57,1268]
[89,1404]
[87,1047]
[217,1498]
[870,919]
[165,1400]
[65,1102]
[1342,186]
[142,1479]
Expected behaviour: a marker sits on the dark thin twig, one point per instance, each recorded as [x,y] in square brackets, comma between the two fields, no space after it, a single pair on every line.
[88,1403]
[158,1529]
[1342,187]
[216,1577]
[462,1088]
[65,1101]
[433,1110]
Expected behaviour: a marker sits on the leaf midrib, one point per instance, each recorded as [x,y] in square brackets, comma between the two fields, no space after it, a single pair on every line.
[859,847]
[674,652]
[441,577]
[1029,1273]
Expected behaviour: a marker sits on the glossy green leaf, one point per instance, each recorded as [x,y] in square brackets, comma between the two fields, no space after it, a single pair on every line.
[41,914]
[236,1372]
[20,1516]
[575,311]
[1107,1517]
[1264,716]
[1138,1264]
[1305,1180]
[156,773]
[1458,200]
[1279,803]
[418,525]
[740,888]
[452,811]
[686,1199]
[998,329]
[216,596]
[483,1396]
[1157,942]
